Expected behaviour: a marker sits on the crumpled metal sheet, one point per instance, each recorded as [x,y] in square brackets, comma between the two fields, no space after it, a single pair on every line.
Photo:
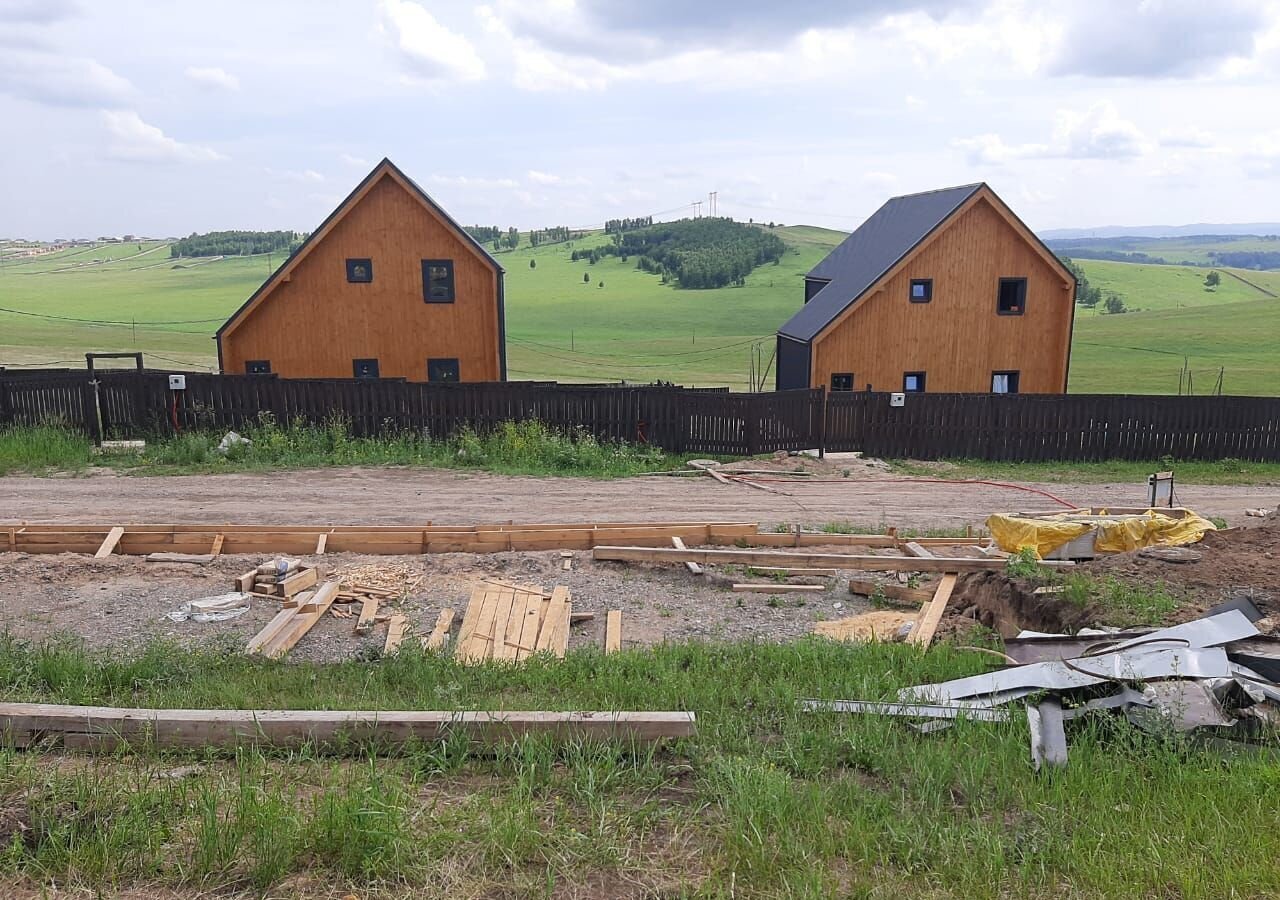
[1185,705]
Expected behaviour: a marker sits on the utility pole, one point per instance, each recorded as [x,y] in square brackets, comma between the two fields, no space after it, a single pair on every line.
[697,209]
[711,202]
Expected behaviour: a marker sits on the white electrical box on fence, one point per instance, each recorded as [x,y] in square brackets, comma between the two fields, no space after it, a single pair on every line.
[177,382]
[897,399]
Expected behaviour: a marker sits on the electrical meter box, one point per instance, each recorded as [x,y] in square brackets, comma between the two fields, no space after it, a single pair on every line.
[177,382]
[897,399]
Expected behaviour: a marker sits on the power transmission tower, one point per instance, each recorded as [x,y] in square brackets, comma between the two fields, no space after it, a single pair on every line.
[697,209]
[711,202]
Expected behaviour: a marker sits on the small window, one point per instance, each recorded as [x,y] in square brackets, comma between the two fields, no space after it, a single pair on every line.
[359,271]
[257,367]
[1004,382]
[364,368]
[1013,297]
[913,382]
[442,370]
[842,381]
[921,290]
[437,280]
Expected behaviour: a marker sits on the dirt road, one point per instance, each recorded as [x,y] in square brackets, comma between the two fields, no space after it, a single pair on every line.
[410,496]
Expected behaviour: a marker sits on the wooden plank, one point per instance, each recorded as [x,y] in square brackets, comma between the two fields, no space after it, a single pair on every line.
[775,588]
[216,550]
[923,633]
[470,617]
[554,634]
[693,567]
[797,573]
[480,645]
[245,583]
[303,621]
[396,629]
[104,728]
[277,624]
[501,649]
[303,579]
[613,631]
[530,625]
[509,647]
[766,558]
[913,548]
[901,593]
[321,543]
[368,615]
[108,543]
[440,633]
[198,559]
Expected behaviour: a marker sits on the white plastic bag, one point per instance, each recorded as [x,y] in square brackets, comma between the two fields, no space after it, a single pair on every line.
[213,609]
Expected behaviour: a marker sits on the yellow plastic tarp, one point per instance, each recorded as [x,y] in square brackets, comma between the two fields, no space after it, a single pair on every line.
[1116,534]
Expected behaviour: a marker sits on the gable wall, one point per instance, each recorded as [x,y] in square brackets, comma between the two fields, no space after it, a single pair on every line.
[315,324]
[957,339]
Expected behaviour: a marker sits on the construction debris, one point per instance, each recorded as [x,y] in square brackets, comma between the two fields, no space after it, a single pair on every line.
[511,622]
[778,588]
[1084,534]
[195,559]
[213,609]
[1189,677]
[879,625]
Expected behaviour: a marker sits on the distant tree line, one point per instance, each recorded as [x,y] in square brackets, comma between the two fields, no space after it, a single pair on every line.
[617,226]
[694,253]
[1246,259]
[554,235]
[485,234]
[235,243]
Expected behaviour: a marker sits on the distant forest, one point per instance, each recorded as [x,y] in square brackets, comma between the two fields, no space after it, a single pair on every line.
[236,243]
[694,253]
[509,238]
[1246,259]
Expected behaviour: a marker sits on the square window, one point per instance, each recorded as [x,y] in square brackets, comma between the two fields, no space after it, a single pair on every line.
[1012,299]
[1004,382]
[842,381]
[257,367]
[437,280]
[442,370]
[359,271]
[921,290]
[364,368]
[913,382]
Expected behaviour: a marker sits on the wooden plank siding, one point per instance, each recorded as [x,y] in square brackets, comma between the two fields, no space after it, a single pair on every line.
[957,338]
[312,323]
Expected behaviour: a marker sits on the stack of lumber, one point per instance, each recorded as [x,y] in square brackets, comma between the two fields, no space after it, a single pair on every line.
[511,622]
[295,619]
[281,578]
[380,579]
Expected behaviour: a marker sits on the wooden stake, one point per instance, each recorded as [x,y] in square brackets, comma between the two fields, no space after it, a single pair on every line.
[693,567]
[108,544]
[216,550]
[923,633]
[321,542]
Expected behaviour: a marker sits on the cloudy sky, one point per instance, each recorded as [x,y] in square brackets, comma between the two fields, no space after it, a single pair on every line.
[166,118]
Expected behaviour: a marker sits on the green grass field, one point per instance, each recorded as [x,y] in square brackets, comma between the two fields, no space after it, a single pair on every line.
[635,328]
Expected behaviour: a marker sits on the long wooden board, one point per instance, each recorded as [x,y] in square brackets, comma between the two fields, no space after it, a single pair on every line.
[923,633]
[765,558]
[899,592]
[762,587]
[104,728]
[306,616]
[613,631]
[109,543]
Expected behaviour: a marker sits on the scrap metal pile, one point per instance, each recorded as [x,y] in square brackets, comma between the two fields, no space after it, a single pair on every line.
[1216,676]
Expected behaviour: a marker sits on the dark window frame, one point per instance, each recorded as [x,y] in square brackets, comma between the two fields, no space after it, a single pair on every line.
[918,375]
[352,278]
[1015,378]
[928,290]
[451,284]
[1021,308]
[845,378]
[436,361]
[355,369]
[257,367]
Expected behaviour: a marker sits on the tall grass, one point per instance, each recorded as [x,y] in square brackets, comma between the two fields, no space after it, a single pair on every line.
[42,448]
[518,448]
[767,800]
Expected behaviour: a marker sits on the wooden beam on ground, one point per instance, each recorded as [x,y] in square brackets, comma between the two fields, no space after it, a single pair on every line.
[302,622]
[693,567]
[898,592]
[245,583]
[368,615]
[304,578]
[321,542]
[796,573]
[613,631]
[440,634]
[913,548]
[554,636]
[757,587]
[196,559]
[107,728]
[108,544]
[216,550]
[765,558]
[470,618]
[923,633]
[277,624]
[396,629]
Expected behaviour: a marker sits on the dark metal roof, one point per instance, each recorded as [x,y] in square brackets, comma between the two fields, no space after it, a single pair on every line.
[863,258]
[378,171]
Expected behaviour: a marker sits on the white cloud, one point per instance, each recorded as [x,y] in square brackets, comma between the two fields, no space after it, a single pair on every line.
[473,182]
[133,140]
[1098,133]
[990,149]
[1190,138]
[358,162]
[430,49]
[212,77]
[543,177]
[59,80]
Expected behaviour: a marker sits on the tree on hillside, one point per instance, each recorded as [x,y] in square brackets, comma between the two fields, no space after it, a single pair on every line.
[586,277]
[1212,280]
[1115,304]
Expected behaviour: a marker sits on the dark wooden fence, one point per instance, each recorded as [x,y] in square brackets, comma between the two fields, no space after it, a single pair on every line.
[1033,427]
[927,426]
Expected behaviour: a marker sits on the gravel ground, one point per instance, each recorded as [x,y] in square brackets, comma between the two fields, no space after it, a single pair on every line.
[123,600]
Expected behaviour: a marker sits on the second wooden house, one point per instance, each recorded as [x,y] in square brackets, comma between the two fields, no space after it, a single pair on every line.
[944,291]
[389,286]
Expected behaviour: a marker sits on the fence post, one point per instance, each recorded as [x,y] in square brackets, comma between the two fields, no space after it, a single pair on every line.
[92,415]
[754,403]
[822,422]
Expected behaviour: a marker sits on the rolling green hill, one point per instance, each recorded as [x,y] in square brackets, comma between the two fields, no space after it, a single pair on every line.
[634,328]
